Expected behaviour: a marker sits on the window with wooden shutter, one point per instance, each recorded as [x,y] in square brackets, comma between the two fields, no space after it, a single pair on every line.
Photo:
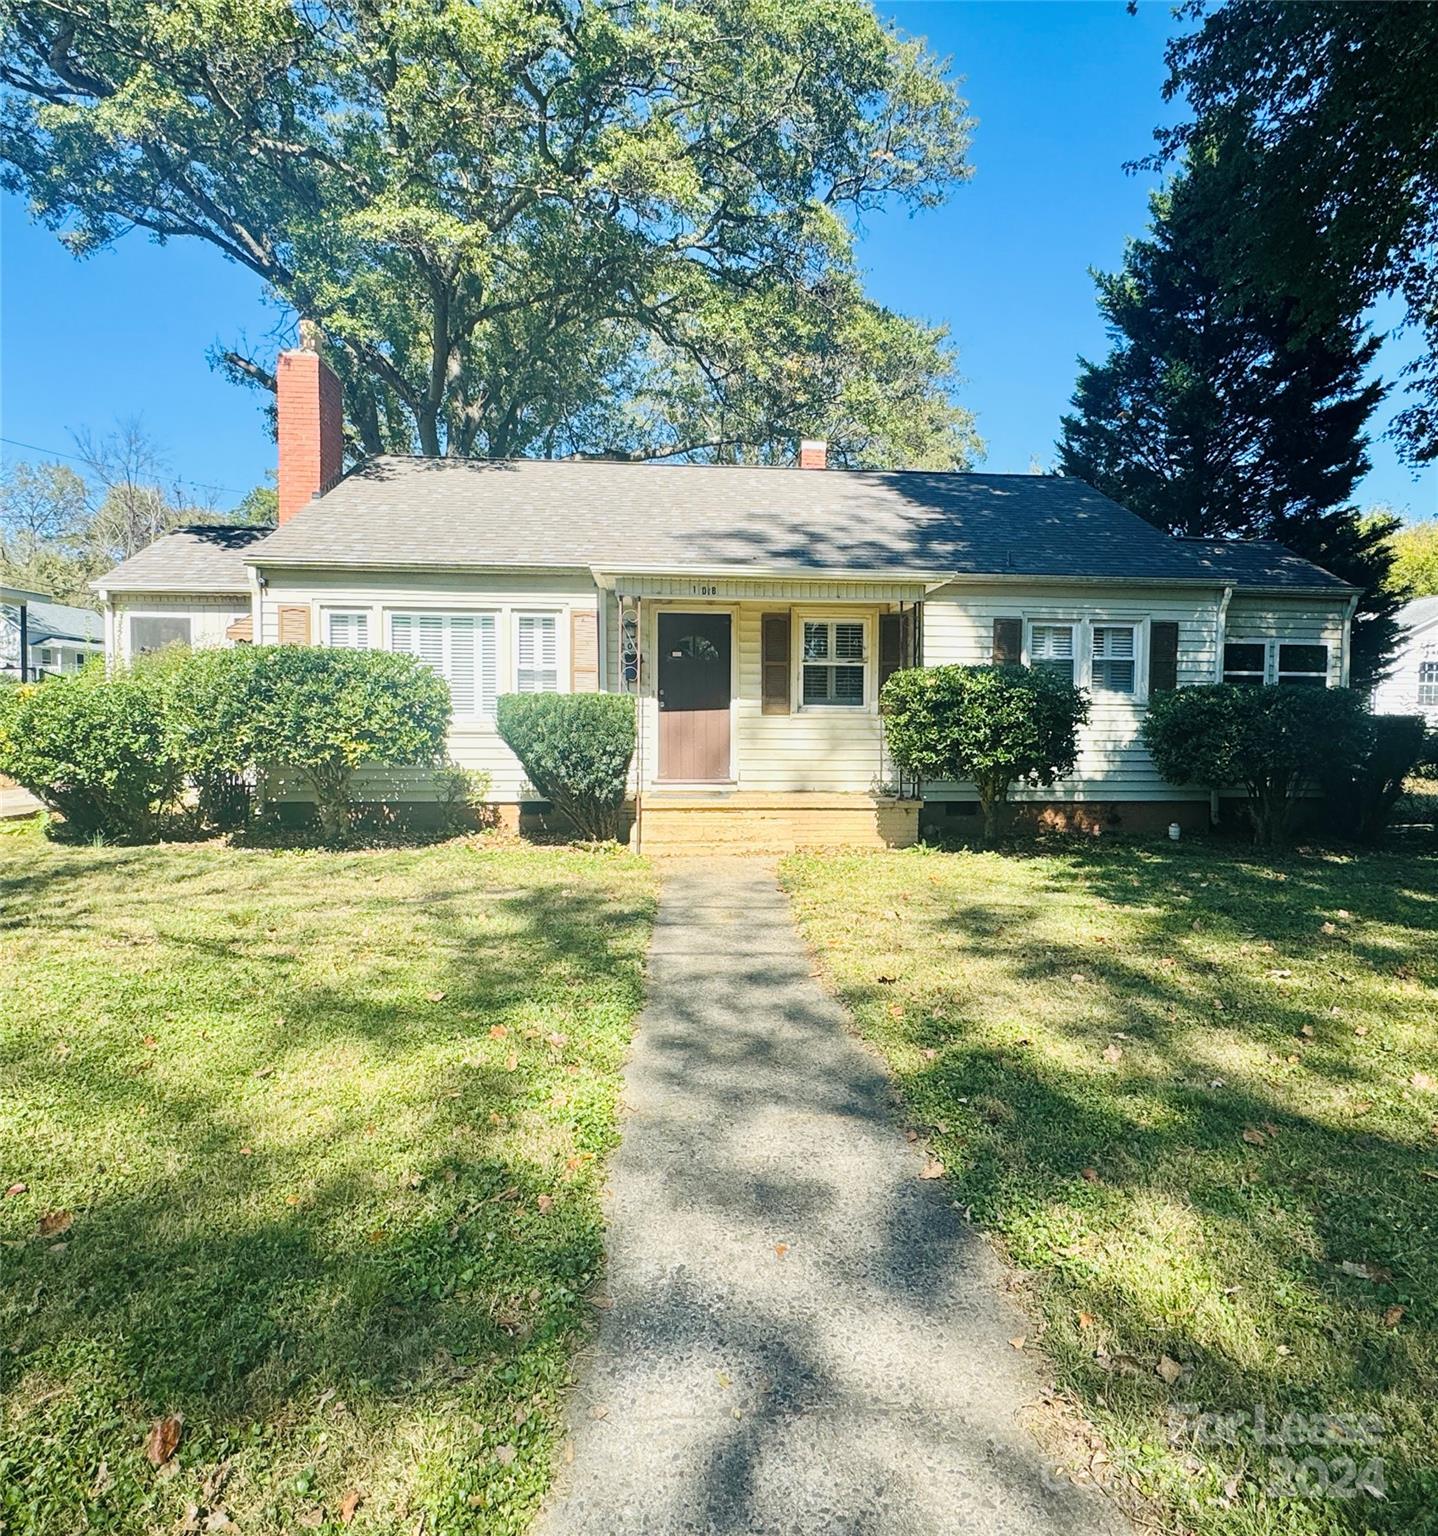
[460,647]
[1008,642]
[1162,656]
[584,651]
[294,621]
[775,666]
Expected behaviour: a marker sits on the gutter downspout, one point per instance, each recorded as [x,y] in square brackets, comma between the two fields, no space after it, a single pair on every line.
[1346,670]
[24,611]
[639,715]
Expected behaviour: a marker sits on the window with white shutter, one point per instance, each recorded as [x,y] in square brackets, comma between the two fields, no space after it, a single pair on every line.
[1113,658]
[1051,649]
[536,653]
[460,647]
[347,631]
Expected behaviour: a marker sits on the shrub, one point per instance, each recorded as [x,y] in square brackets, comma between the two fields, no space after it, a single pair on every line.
[325,712]
[211,701]
[461,794]
[992,727]
[576,749]
[93,747]
[1269,741]
[1361,796]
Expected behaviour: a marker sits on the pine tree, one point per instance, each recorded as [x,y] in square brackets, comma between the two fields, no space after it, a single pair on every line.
[1209,418]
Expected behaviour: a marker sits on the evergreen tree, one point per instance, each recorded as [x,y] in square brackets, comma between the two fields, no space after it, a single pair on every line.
[1210,418]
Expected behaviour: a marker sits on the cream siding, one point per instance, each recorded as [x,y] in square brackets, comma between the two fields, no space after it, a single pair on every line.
[210,616]
[1256,617]
[473,741]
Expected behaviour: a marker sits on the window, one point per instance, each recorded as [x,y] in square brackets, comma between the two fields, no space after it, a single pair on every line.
[1303,666]
[347,631]
[536,654]
[1051,649]
[1113,658]
[1246,662]
[1428,682]
[154,633]
[459,646]
[835,657]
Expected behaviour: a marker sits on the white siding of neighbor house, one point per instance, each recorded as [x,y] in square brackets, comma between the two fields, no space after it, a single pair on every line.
[1397,694]
[473,741]
[210,615]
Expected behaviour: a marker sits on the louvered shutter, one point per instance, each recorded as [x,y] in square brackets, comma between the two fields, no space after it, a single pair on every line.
[487,663]
[348,631]
[1008,642]
[537,654]
[584,651]
[775,668]
[462,670]
[294,622]
[1162,655]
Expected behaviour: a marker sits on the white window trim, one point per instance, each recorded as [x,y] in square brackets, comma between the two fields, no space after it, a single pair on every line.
[348,610]
[1083,627]
[563,625]
[502,661]
[1271,644]
[800,617]
[1277,664]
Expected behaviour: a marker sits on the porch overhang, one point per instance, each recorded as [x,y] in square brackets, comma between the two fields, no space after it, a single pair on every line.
[761,584]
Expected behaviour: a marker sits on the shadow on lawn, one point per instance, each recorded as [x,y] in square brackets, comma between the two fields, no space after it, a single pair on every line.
[1062,1151]
[341,1196]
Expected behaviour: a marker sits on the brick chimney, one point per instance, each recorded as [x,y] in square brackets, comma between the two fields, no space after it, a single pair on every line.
[311,424]
[813,453]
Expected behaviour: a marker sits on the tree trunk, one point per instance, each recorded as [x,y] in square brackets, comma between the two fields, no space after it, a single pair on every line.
[992,806]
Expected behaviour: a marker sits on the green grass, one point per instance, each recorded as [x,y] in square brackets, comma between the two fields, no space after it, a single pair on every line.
[329,1130]
[1183,1089]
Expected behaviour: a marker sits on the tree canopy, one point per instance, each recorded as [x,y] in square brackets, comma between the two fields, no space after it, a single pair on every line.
[1210,417]
[525,226]
[1333,109]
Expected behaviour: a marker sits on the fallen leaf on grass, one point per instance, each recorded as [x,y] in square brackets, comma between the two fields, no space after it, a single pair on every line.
[511,1062]
[1329,928]
[311,1518]
[54,1224]
[1017,1343]
[104,1480]
[17,1189]
[1254,1138]
[933,1169]
[545,1204]
[929,1053]
[1393,1316]
[1279,973]
[780,1249]
[504,1454]
[1112,1053]
[498,1032]
[1089,1175]
[1425,1082]
[1306,1031]
[1363,1269]
[434,997]
[1168,1369]
[164,1439]
[1086,1319]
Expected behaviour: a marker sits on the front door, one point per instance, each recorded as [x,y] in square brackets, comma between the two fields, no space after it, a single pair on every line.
[694,696]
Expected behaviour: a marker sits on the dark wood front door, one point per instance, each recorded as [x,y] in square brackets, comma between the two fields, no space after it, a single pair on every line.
[694,651]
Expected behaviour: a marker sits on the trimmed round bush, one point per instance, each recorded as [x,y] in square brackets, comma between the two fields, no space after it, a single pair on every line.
[95,748]
[992,727]
[576,749]
[1270,742]
[324,713]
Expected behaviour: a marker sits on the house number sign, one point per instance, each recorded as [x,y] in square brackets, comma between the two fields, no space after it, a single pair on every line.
[700,590]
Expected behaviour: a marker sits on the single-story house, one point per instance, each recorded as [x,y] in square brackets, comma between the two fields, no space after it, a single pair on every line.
[754,612]
[1411,687]
[54,637]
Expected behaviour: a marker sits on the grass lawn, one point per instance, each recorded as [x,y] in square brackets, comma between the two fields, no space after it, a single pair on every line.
[306,1148]
[1195,1097]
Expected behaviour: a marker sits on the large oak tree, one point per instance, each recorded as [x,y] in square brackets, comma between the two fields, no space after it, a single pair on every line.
[524,226]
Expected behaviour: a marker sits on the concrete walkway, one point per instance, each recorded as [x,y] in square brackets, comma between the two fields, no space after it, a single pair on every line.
[803,1336]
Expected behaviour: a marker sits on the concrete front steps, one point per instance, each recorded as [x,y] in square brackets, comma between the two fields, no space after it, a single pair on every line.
[736,823]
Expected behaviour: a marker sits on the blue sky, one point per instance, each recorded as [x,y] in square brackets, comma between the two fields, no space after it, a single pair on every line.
[1064,92]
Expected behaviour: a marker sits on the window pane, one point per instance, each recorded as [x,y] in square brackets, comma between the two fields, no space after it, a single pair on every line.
[1052,642]
[155,634]
[816,641]
[461,664]
[1113,676]
[849,642]
[834,685]
[1112,642]
[1244,656]
[460,647]
[816,685]
[1303,658]
[848,685]
[348,631]
[536,664]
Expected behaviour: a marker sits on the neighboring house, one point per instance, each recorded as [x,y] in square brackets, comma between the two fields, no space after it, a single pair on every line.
[58,638]
[1411,688]
[754,612]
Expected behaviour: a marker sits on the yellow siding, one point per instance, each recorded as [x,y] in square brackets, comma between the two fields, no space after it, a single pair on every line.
[209,616]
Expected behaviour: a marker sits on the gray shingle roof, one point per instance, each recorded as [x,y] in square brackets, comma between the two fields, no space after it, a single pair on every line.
[1258,563]
[59,621]
[1418,614]
[204,558]
[476,513]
